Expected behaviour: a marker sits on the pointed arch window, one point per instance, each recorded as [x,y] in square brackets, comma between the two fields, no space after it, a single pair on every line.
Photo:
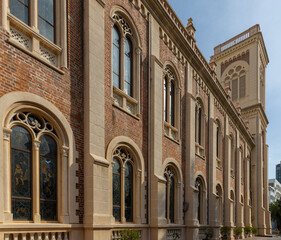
[170,199]
[219,209]
[199,128]
[236,77]
[123,186]
[200,196]
[219,144]
[125,65]
[232,157]
[171,99]
[34,164]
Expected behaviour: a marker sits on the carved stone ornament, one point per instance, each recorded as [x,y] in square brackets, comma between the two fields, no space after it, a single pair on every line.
[37,124]
[123,24]
[123,154]
[168,72]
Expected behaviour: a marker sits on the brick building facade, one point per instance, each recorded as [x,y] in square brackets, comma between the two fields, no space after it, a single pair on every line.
[111,118]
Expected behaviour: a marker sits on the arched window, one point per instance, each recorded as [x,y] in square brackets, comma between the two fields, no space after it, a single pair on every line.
[171,104]
[165,99]
[21,172]
[232,206]
[219,144]
[219,204]
[232,156]
[236,77]
[128,83]
[199,128]
[200,191]
[34,164]
[169,175]
[116,56]
[125,65]
[123,185]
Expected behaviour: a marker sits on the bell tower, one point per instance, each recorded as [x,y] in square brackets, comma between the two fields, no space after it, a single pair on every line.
[240,67]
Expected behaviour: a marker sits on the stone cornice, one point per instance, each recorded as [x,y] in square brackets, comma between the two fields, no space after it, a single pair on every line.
[256,109]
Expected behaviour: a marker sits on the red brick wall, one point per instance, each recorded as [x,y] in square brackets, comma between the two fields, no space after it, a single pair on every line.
[21,72]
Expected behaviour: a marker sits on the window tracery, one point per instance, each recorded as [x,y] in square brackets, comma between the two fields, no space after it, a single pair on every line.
[171,95]
[236,78]
[125,65]
[123,185]
[34,161]
[170,199]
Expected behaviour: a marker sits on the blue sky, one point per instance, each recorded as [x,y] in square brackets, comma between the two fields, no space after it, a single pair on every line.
[219,20]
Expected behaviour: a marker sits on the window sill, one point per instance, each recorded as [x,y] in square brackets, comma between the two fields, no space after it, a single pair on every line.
[125,102]
[199,151]
[37,57]
[173,140]
[171,132]
[33,43]
[125,111]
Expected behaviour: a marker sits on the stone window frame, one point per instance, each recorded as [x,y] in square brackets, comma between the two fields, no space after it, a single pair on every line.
[67,205]
[232,156]
[202,200]
[200,124]
[232,205]
[172,131]
[219,198]
[138,179]
[130,104]
[219,144]
[236,71]
[172,164]
[28,39]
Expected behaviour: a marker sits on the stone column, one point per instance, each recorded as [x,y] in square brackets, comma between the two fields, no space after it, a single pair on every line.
[238,204]
[8,216]
[64,213]
[247,207]
[36,181]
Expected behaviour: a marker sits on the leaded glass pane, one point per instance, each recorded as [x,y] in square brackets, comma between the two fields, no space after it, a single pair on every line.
[48,178]
[46,19]
[21,173]
[128,192]
[46,10]
[48,146]
[172,200]
[48,210]
[46,29]
[21,209]
[166,197]
[116,190]
[172,104]
[116,57]
[20,9]
[20,138]
[128,67]
[165,99]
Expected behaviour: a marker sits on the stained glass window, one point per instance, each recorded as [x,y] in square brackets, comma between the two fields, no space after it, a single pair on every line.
[172,200]
[48,178]
[21,159]
[165,98]
[116,57]
[128,67]
[172,104]
[169,175]
[122,185]
[20,9]
[116,189]
[129,192]
[46,19]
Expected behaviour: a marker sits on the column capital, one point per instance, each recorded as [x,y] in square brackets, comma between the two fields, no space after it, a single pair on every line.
[64,151]
[36,144]
[7,133]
